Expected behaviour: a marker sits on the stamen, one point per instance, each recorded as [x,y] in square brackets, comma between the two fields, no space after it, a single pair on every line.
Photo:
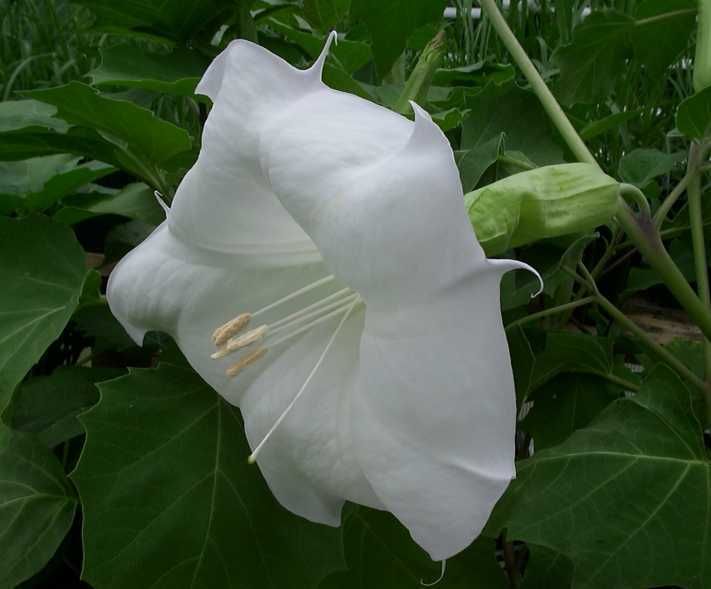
[294,294]
[245,361]
[253,456]
[243,341]
[314,323]
[232,327]
[273,330]
[305,310]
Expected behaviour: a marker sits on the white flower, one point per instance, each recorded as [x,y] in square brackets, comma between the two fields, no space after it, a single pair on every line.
[375,367]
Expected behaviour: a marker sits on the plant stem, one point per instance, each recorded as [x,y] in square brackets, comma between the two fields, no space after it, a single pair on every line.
[552,311]
[510,564]
[418,84]
[625,322]
[643,233]
[548,101]
[699,248]
[668,203]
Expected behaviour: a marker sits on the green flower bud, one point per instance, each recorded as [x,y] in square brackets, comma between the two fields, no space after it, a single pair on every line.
[541,203]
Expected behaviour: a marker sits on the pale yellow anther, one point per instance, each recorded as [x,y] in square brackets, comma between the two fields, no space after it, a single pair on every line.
[237,343]
[232,327]
[245,361]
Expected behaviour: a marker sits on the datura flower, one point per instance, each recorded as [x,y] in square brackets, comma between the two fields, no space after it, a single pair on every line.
[318,270]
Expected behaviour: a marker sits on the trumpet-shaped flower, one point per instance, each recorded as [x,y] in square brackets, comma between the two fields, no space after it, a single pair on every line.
[317,268]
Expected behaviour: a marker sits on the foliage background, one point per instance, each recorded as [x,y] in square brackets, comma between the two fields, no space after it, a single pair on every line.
[122,469]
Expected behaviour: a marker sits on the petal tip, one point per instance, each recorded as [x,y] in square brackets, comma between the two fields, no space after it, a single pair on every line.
[425,133]
[317,68]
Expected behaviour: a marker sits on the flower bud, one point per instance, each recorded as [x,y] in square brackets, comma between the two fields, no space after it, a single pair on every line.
[541,203]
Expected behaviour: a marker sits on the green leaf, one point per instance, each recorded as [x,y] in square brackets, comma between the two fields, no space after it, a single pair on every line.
[547,569]
[595,61]
[23,114]
[490,115]
[599,46]
[522,361]
[326,14]
[48,405]
[170,501]
[627,499]
[381,553]
[610,122]
[135,201]
[121,123]
[37,506]
[641,166]
[694,116]
[176,19]
[129,66]
[474,162]
[35,184]
[570,352]
[391,23]
[43,274]
[567,403]
[541,203]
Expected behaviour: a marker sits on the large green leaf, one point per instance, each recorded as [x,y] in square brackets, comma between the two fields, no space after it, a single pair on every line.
[129,66]
[641,166]
[627,499]
[391,23]
[177,19]
[170,501]
[35,184]
[37,506]
[694,116]
[490,116]
[326,14]
[567,403]
[546,569]
[381,553]
[23,114]
[47,406]
[135,201]
[595,61]
[123,124]
[43,273]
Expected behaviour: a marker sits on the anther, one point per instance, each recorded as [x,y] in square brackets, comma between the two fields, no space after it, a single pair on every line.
[237,343]
[232,327]
[245,361]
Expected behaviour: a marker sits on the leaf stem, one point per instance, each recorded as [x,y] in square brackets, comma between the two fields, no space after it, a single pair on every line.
[552,311]
[699,248]
[641,230]
[668,203]
[548,101]
[625,322]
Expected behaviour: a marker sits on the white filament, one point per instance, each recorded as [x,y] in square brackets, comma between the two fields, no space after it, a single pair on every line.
[253,456]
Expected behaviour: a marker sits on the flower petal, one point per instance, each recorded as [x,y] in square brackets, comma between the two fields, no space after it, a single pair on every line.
[168,285]
[434,412]
[224,202]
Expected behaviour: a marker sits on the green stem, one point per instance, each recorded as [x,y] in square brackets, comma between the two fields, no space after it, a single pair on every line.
[418,84]
[642,232]
[699,247]
[631,191]
[548,312]
[626,323]
[669,201]
[628,385]
[550,104]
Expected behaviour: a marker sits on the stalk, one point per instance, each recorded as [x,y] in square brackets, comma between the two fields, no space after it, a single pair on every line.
[642,232]
[418,84]
[548,101]
[699,246]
